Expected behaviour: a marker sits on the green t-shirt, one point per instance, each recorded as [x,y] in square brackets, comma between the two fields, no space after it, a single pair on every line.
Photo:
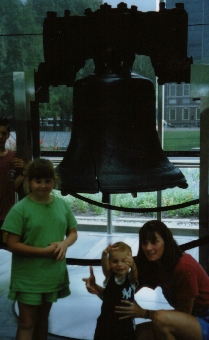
[39,225]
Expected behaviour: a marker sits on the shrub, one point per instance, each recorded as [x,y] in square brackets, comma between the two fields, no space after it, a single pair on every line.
[144,200]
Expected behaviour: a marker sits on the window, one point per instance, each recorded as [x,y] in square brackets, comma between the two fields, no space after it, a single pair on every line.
[172,114]
[197,114]
[172,90]
[172,102]
[56,116]
[185,114]
[186,90]
[186,101]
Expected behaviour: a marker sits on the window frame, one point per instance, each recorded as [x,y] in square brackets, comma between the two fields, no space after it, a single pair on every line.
[184,110]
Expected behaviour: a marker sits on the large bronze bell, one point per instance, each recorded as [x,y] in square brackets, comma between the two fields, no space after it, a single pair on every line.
[114,146]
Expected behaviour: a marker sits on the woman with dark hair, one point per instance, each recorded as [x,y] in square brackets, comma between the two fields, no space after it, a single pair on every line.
[157,256]
[185,285]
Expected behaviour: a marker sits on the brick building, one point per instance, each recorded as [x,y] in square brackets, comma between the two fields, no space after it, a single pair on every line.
[179,109]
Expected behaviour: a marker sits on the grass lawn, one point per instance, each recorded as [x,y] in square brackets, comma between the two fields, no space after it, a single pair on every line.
[181,140]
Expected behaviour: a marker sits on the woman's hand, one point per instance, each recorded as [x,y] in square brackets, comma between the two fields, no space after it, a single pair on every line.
[131,310]
[91,282]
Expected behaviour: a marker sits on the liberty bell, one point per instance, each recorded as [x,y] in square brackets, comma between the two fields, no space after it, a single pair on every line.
[114,146]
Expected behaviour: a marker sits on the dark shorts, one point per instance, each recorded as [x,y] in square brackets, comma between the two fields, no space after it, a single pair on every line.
[205,327]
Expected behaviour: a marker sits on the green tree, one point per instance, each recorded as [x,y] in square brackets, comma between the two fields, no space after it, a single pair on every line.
[61,98]
[59,106]
[7,26]
[21,51]
[21,46]
[21,26]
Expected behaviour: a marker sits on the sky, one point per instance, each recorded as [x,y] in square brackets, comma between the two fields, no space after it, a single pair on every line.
[143,5]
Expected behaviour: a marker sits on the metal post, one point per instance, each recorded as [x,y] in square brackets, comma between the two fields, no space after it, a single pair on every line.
[24,92]
[35,129]
[160,106]
[204,180]
[109,218]
[200,89]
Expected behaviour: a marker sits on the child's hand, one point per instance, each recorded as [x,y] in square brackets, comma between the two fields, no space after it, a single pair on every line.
[91,282]
[129,260]
[107,250]
[105,261]
[60,250]
[110,248]
[50,250]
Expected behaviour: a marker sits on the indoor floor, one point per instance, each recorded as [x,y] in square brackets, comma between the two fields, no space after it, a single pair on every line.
[75,317]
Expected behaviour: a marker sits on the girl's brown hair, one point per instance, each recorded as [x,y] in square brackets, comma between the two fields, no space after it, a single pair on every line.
[40,168]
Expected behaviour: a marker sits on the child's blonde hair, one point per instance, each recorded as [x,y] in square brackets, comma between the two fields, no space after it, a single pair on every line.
[121,247]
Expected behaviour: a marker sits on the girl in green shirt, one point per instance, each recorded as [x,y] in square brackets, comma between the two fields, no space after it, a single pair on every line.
[40,228]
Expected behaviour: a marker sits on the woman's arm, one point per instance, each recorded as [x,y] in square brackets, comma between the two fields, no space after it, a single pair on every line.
[16,246]
[134,310]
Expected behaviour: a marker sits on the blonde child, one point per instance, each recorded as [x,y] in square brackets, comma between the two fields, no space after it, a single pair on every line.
[120,284]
